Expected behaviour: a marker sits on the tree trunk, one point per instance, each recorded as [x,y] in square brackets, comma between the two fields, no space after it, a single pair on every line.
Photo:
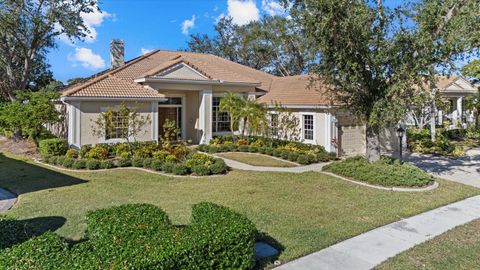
[373,143]
[433,114]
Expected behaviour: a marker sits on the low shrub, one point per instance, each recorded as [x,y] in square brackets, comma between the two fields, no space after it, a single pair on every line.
[285,154]
[80,164]
[203,148]
[277,153]
[303,159]
[201,170]
[252,149]
[124,162]
[213,149]
[106,164]
[156,164]
[224,148]
[68,162]
[121,148]
[53,147]
[147,162]
[218,167]
[84,149]
[293,156]
[71,153]
[137,161]
[269,151]
[60,160]
[171,159]
[180,169]
[93,164]
[160,155]
[97,152]
[243,148]
[50,159]
[199,159]
[167,167]
[385,172]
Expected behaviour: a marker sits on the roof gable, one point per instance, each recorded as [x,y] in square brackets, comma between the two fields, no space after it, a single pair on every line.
[181,71]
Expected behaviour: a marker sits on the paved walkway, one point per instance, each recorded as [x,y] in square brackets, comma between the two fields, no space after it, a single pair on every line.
[7,200]
[371,248]
[465,170]
[300,169]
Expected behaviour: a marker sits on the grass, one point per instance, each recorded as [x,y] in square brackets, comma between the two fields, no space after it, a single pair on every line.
[458,248]
[256,159]
[303,212]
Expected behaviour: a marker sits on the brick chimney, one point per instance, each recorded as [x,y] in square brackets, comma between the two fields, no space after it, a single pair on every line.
[117,53]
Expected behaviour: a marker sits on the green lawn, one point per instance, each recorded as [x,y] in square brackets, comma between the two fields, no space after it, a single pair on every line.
[303,212]
[256,159]
[458,248]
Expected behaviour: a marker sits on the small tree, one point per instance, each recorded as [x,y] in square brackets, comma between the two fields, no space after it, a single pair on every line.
[253,115]
[170,133]
[126,119]
[231,103]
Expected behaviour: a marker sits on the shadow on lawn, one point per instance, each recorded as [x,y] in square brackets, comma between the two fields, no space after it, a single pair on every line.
[14,232]
[21,177]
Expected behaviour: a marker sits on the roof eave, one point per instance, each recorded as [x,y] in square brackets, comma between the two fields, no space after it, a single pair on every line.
[100,98]
[203,82]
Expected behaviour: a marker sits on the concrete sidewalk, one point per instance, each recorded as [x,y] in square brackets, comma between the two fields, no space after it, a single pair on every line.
[7,200]
[367,250]
[300,169]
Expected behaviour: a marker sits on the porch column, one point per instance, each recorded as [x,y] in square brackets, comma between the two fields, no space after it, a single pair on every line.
[459,110]
[205,116]
[154,121]
[73,110]
[252,96]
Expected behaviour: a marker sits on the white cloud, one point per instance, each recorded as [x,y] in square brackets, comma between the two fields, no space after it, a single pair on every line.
[92,20]
[219,17]
[87,58]
[273,8]
[187,25]
[145,51]
[243,11]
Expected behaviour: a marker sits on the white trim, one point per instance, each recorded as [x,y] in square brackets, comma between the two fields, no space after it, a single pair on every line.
[209,82]
[184,114]
[328,132]
[66,98]
[205,125]
[154,116]
[303,106]
[302,114]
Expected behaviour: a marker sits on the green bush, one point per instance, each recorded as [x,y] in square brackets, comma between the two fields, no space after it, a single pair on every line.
[243,148]
[161,155]
[93,164]
[147,162]
[71,153]
[171,159]
[84,149]
[293,156]
[285,154]
[121,148]
[156,164]
[213,149]
[277,153]
[203,148]
[60,160]
[137,161]
[303,159]
[269,151]
[218,167]
[53,147]
[252,149]
[201,170]
[80,164]
[199,159]
[106,164]
[68,162]
[385,172]
[180,169]
[97,152]
[124,162]
[167,167]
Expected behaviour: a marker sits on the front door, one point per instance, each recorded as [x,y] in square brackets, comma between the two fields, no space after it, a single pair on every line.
[165,113]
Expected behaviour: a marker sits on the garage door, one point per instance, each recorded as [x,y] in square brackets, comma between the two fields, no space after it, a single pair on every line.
[352,140]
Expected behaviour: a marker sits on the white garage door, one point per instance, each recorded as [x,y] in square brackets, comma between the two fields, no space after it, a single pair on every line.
[352,140]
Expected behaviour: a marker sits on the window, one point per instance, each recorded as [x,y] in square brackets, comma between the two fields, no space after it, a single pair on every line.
[118,129]
[171,101]
[274,124]
[308,127]
[220,120]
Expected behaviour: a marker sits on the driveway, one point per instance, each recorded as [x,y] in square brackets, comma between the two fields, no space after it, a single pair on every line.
[465,170]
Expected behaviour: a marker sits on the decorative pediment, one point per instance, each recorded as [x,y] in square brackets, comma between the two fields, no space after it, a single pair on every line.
[181,71]
[460,84]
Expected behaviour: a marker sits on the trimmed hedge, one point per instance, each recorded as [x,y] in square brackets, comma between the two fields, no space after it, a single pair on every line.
[141,236]
[385,172]
[53,147]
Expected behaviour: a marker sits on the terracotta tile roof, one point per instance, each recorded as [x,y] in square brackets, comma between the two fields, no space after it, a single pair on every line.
[297,90]
[211,66]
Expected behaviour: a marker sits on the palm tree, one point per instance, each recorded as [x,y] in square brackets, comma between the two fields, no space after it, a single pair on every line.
[232,104]
[253,114]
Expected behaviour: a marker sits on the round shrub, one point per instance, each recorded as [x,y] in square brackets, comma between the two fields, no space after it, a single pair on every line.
[72,153]
[218,167]
[80,164]
[106,164]
[171,159]
[224,148]
[137,162]
[201,170]
[252,149]
[143,152]
[312,158]
[97,152]
[50,159]
[277,153]
[243,148]
[147,162]
[124,155]
[121,148]
[199,159]
[292,156]
[285,154]
[303,159]
[203,148]
[180,169]
[84,149]
[156,164]
[68,162]
[124,162]
[268,151]
[213,149]
[53,147]
[167,167]
[93,164]
[160,155]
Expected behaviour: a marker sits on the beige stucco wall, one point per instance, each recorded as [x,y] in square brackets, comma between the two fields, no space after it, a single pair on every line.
[90,110]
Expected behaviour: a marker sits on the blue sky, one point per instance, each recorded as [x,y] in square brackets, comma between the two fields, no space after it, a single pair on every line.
[145,25]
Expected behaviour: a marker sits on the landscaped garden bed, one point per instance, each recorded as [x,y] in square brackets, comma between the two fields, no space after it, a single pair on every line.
[292,151]
[176,159]
[137,236]
[384,172]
